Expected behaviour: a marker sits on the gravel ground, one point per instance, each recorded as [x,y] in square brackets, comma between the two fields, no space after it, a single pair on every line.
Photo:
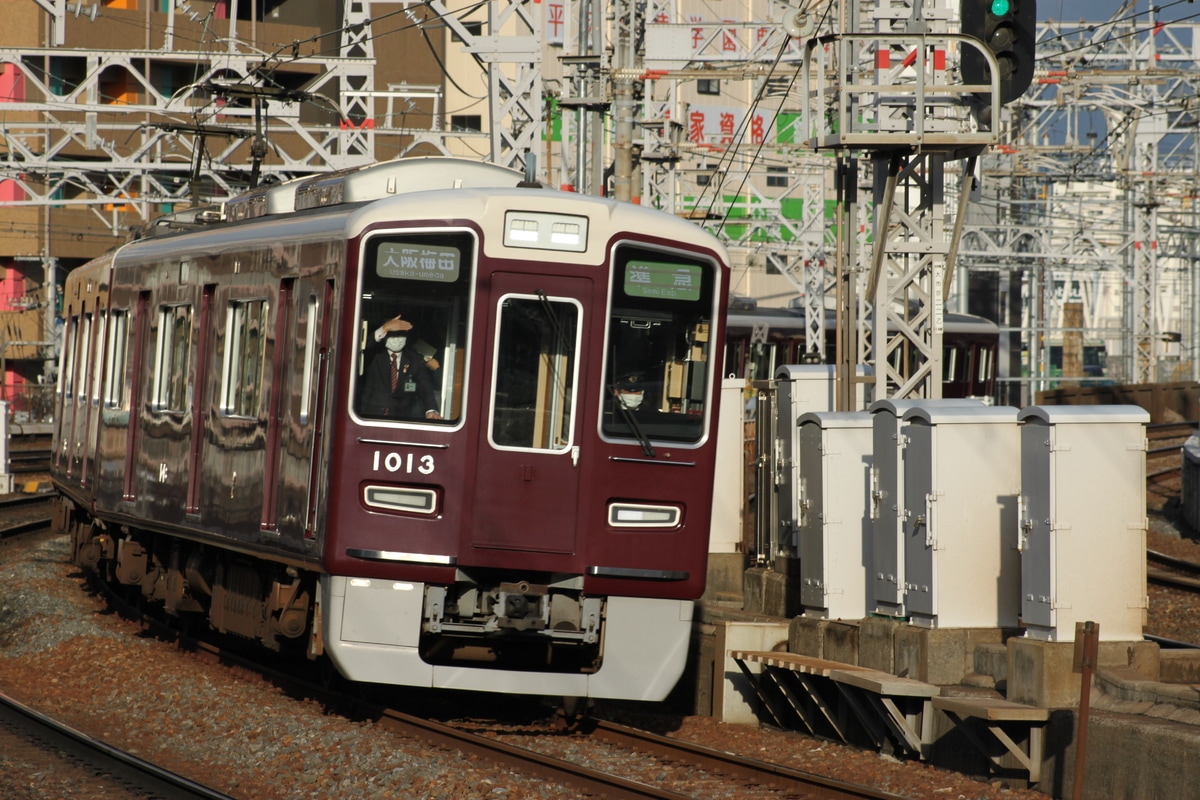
[62,652]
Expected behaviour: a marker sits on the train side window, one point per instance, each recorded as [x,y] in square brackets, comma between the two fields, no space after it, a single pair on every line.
[245,345]
[98,362]
[118,347]
[310,356]
[173,373]
[762,361]
[533,395]
[985,365]
[413,317]
[66,378]
[85,351]
[949,364]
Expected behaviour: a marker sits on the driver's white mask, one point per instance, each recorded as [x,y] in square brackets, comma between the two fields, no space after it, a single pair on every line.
[395,343]
[631,399]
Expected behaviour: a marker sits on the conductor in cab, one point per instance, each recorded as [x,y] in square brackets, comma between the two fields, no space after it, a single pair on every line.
[398,383]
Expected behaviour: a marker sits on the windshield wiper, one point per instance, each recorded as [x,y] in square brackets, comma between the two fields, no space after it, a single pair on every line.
[631,421]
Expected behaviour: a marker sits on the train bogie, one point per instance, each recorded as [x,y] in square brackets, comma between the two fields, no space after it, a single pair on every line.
[466,427]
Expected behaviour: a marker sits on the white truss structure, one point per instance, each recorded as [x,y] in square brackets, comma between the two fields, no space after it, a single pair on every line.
[1072,213]
[79,146]
[89,149]
[1060,213]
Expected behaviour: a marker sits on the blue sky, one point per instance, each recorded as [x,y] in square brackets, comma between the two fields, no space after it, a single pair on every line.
[1074,10]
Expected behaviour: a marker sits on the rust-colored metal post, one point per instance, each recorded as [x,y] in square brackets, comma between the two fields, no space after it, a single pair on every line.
[1087,650]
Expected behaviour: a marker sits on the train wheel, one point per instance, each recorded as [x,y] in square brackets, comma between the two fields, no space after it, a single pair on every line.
[572,713]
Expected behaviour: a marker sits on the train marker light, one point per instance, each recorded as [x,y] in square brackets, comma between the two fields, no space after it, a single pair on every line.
[542,231]
[396,498]
[638,515]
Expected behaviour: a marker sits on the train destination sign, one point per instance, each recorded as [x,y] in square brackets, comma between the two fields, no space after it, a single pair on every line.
[663,280]
[417,262]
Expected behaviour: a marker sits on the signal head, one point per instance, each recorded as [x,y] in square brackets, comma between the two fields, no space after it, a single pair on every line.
[1008,29]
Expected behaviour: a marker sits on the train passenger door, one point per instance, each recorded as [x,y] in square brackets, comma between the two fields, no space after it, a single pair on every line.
[85,346]
[141,322]
[278,403]
[528,484]
[200,404]
[292,467]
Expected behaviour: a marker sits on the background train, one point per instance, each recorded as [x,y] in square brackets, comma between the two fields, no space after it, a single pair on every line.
[969,346]
[449,430]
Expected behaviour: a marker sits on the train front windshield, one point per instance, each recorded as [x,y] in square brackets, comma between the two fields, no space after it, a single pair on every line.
[659,347]
[412,335]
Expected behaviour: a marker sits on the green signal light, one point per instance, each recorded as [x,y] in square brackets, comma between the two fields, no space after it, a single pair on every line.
[1001,7]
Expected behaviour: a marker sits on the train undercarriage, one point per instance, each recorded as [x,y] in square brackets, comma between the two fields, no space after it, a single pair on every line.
[270,603]
[534,622]
[540,622]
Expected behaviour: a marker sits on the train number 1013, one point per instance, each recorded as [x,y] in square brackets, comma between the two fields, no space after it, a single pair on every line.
[398,462]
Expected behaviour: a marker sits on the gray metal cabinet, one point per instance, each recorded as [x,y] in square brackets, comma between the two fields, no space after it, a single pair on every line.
[1083,521]
[961,484]
[835,460]
[886,501]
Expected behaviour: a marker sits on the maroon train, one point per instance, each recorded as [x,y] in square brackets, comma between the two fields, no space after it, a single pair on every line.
[448,430]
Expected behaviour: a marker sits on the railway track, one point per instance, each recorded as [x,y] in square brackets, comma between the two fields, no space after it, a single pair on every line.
[1174,572]
[23,513]
[108,765]
[752,771]
[29,454]
[723,769]
[1164,441]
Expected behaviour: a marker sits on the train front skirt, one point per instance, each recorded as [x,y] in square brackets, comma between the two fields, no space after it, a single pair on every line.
[372,631]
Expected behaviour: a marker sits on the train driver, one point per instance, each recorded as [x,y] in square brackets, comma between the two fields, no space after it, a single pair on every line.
[631,390]
[636,391]
[398,381]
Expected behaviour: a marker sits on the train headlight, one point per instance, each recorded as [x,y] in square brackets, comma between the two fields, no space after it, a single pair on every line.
[541,231]
[640,515]
[401,498]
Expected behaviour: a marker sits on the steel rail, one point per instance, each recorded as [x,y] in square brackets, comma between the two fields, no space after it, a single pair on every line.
[146,776]
[803,784]
[521,760]
[24,527]
[575,776]
[1173,562]
[1165,577]
[528,762]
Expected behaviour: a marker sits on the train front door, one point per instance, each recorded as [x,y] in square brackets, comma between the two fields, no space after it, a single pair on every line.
[528,480]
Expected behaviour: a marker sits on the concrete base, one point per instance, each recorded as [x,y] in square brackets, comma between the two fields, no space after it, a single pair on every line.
[733,698]
[1179,666]
[991,665]
[768,591]
[835,640]
[1042,673]
[1145,706]
[877,643]
[943,656]
[723,586]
